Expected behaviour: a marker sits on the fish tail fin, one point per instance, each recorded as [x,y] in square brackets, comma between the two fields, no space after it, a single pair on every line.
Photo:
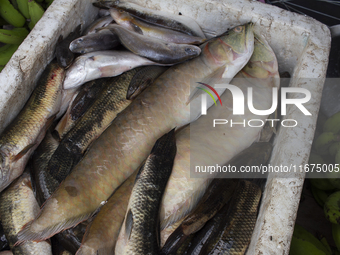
[174,241]
[28,234]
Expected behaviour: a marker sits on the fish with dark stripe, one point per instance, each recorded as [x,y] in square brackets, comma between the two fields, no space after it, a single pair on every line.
[141,223]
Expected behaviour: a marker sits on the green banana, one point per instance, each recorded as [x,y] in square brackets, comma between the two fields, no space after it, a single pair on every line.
[322,184]
[2,21]
[319,195]
[324,141]
[35,11]
[10,14]
[323,240]
[332,124]
[302,247]
[23,8]
[336,235]
[332,209]
[1,67]
[15,36]
[6,55]
[302,234]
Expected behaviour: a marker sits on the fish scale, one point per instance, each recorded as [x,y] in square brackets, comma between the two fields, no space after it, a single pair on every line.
[18,205]
[142,218]
[23,135]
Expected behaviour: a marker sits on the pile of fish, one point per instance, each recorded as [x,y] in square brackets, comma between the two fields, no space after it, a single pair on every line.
[105,141]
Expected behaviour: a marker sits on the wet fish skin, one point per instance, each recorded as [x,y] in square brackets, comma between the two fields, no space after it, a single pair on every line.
[142,79]
[101,235]
[126,143]
[104,39]
[109,103]
[99,23]
[154,49]
[40,159]
[26,131]
[226,145]
[99,64]
[216,196]
[209,229]
[235,230]
[82,101]
[146,196]
[18,205]
[127,21]
[165,19]
[64,55]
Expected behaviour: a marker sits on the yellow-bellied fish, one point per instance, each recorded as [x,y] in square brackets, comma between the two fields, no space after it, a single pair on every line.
[26,131]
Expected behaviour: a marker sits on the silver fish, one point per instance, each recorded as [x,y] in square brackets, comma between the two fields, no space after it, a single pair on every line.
[104,39]
[99,64]
[155,49]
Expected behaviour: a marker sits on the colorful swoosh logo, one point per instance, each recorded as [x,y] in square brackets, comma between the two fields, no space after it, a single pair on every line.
[209,93]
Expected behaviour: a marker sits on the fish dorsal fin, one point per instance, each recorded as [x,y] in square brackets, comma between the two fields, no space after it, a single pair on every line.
[217,74]
[128,224]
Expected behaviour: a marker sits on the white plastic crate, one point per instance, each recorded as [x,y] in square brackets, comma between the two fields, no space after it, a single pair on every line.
[301,44]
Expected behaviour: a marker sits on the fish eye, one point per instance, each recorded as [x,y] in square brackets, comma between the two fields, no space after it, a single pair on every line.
[188,50]
[238,29]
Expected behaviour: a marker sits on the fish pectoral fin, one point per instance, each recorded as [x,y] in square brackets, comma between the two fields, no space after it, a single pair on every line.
[23,152]
[199,90]
[128,224]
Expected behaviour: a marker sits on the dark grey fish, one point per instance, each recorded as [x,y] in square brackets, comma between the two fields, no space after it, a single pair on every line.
[64,55]
[104,39]
[155,49]
[98,23]
[146,196]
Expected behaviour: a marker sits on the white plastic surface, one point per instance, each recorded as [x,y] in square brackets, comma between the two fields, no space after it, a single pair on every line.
[301,44]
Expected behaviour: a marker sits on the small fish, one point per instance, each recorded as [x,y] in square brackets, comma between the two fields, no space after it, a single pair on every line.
[104,39]
[126,143]
[127,21]
[17,206]
[143,235]
[98,23]
[154,49]
[176,22]
[101,235]
[64,55]
[99,64]
[26,131]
